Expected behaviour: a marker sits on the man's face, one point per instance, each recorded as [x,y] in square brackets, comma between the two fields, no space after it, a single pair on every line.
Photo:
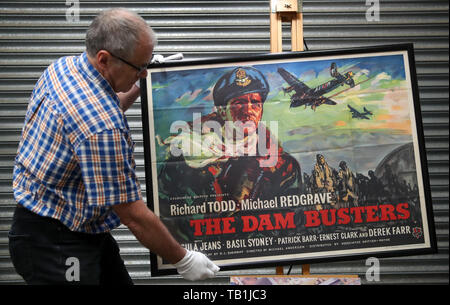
[321,159]
[123,76]
[245,108]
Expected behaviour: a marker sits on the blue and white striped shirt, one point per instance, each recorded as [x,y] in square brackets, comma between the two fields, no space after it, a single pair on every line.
[75,158]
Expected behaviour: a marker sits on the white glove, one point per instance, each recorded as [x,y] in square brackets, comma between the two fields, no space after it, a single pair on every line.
[159,59]
[196,266]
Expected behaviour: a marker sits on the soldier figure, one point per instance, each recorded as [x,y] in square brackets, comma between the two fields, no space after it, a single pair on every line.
[347,185]
[323,176]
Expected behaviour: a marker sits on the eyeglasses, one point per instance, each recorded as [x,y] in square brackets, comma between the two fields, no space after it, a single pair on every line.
[139,69]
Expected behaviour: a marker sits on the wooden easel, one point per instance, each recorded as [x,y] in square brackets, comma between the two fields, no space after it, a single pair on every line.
[286,10]
[280,11]
[305,270]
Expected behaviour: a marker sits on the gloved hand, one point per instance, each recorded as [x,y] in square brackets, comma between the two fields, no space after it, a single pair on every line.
[196,266]
[159,59]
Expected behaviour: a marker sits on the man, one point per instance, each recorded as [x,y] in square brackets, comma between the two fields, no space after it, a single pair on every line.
[323,179]
[346,186]
[242,160]
[323,176]
[74,175]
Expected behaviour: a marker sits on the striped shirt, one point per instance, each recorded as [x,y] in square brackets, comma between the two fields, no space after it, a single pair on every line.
[75,158]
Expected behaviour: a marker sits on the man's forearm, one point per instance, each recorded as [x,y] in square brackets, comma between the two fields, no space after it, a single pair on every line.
[150,231]
[128,98]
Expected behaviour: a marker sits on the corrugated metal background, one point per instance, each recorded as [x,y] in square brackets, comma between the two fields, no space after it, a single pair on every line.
[35,33]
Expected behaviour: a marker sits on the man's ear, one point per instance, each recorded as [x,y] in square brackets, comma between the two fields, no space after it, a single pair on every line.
[103,59]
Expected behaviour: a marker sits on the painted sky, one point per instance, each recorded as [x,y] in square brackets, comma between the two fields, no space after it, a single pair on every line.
[192,89]
[302,131]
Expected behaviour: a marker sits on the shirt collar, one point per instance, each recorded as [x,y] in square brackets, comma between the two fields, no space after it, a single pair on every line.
[88,69]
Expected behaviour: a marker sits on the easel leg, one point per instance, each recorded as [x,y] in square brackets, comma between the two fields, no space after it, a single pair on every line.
[279,270]
[294,35]
[305,269]
[276,45]
[297,32]
[275,33]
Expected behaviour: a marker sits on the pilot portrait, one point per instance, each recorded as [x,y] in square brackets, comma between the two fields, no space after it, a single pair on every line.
[248,170]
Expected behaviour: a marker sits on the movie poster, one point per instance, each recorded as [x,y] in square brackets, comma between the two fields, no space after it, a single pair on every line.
[288,158]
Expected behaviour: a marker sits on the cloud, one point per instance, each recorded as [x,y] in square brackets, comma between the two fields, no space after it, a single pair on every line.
[380,77]
[362,72]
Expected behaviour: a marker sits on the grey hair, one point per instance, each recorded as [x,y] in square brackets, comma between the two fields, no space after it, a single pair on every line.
[118,31]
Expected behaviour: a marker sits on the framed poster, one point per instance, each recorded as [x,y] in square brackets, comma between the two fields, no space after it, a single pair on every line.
[289,158]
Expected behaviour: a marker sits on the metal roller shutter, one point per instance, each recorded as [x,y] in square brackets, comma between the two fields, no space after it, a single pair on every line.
[35,33]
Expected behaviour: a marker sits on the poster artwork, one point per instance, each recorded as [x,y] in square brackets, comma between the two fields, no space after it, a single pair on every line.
[288,159]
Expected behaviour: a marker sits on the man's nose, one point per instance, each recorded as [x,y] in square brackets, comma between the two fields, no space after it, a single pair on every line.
[250,103]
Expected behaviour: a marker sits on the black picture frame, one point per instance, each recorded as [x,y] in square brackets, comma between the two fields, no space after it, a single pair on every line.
[399,84]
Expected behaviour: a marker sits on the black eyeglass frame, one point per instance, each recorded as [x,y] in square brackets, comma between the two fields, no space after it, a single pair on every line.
[139,69]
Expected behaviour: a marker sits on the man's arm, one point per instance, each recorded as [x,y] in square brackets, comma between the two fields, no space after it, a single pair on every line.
[128,98]
[152,233]
[149,230]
